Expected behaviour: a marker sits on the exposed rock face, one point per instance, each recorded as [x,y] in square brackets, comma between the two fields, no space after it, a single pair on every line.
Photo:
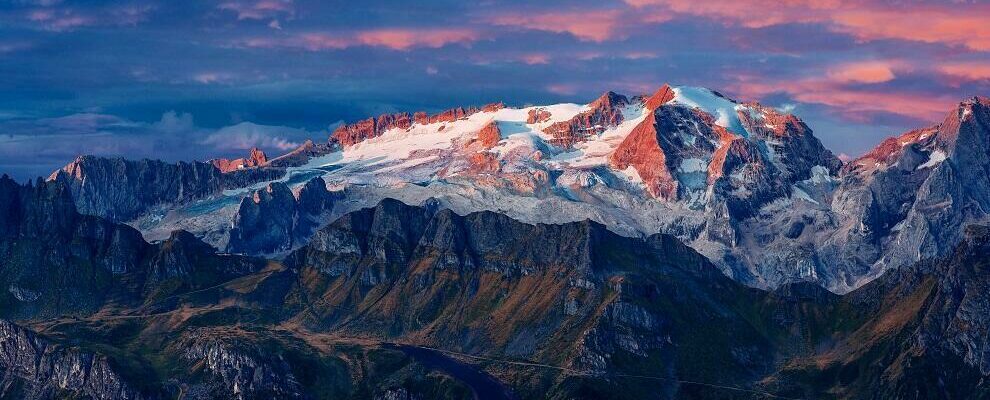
[54,261]
[302,154]
[274,220]
[241,370]
[662,96]
[916,332]
[121,189]
[256,158]
[912,196]
[490,135]
[573,294]
[537,115]
[747,185]
[34,369]
[605,112]
[642,151]
[350,134]
[678,151]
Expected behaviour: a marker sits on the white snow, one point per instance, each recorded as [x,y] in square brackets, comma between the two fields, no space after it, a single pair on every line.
[724,111]
[820,174]
[689,165]
[595,151]
[799,193]
[632,175]
[934,159]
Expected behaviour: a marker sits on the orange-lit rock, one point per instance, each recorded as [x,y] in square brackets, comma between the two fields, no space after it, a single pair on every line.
[256,158]
[537,115]
[490,135]
[641,150]
[605,112]
[661,97]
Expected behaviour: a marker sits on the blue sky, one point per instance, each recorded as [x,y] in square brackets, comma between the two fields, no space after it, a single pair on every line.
[180,80]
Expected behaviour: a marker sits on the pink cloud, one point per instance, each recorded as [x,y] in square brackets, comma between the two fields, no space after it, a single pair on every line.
[562,88]
[535,58]
[404,39]
[851,101]
[862,72]
[950,23]
[396,39]
[971,71]
[597,26]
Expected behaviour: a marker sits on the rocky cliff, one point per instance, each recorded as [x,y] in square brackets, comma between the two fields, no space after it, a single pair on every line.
[275,219]
[255,158]
[747,185]
[121,189]
[55,261]
[572,295]
[568,310]
[32,368]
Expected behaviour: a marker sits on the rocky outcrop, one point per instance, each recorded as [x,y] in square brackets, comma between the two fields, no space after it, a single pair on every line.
[574,295]
[795,149]
[642,151]
[350,134]
[537,115]
[33,368]
[605,112]
[55,261]
[912,196]
[918,331]
[490,135]
[241,370]
[662,96]
[255,158]
[302,154]
[121,190]
[275,220]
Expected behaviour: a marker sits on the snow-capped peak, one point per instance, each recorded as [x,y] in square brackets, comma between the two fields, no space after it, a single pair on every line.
[724,110]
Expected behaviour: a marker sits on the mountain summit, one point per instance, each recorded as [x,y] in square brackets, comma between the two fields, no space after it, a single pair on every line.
[747,185]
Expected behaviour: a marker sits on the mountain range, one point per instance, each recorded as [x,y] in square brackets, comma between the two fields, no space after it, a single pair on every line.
[679,244]
[748,186]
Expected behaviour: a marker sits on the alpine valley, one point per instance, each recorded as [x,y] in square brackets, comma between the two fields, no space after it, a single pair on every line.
[672,245]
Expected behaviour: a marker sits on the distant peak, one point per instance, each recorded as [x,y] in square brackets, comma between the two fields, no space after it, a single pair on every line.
[663,95]
[609,99]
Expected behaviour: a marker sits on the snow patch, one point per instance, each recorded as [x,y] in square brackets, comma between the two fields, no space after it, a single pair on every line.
[632,175]
[820,175]
[798,193]
[693,165]
[724,111]
[934,159]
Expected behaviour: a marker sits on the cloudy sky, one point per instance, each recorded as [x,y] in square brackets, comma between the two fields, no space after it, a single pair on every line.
[198,79]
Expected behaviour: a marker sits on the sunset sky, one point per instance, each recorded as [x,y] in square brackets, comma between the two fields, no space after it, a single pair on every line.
[198,79]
